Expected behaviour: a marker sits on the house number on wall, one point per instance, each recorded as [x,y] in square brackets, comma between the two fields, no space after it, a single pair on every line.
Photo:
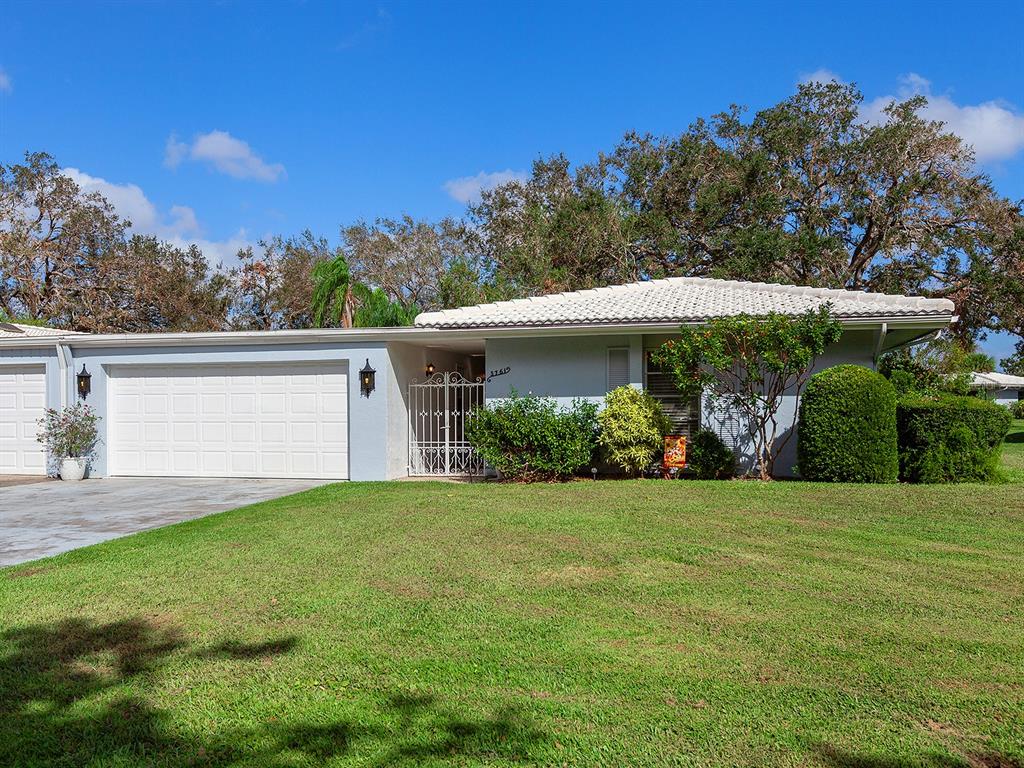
[498,372]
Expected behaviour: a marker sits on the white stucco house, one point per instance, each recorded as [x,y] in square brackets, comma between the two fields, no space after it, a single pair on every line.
[1001,387]
[294,403]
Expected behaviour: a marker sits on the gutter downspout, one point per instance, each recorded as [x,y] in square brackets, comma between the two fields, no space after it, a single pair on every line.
[882,332]
[63,363]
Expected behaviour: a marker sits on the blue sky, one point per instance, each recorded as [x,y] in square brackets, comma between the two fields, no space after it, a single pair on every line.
[225,122]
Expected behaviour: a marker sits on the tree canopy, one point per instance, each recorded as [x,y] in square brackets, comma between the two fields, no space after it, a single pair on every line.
[809,191]
[805,192]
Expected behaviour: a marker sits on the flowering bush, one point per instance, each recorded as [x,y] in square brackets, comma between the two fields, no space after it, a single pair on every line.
[747,364]
[69,433]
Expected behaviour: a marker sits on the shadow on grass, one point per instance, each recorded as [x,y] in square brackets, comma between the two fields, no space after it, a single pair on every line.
[1015,437]
[75,692]
[232,649]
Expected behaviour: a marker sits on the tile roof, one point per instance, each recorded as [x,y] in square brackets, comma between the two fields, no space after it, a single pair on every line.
[678,300]
[997,381]
[20,330]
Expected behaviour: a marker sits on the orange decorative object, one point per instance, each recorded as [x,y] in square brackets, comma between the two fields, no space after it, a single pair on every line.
[675,454]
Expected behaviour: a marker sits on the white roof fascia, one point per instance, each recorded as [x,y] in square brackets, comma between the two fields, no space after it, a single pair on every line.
[410,333]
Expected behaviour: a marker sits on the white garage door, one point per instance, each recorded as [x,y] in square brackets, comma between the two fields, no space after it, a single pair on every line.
[229,421]
[22,401]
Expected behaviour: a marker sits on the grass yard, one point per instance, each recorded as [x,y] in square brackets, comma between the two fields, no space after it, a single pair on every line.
[609,623]
[1013,452]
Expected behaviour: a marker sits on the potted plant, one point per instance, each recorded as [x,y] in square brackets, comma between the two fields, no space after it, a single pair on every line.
[70,436]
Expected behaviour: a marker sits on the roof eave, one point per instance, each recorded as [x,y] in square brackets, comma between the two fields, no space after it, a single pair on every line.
[900,321]
[411,333]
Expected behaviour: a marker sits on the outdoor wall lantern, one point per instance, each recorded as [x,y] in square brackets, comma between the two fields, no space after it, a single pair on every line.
[430,369]
[366,379]
[84,380]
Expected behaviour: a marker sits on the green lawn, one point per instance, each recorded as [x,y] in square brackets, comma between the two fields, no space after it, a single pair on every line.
[609,623]
[1013,452]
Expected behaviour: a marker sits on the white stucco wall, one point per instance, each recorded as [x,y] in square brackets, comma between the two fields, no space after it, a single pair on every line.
[370,447]
[560,367]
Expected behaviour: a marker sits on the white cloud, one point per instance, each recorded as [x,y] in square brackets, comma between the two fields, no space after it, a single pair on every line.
[178,226]
[819,76]
[224,152]
[993,128]
[128,200]
[217,251]
[174,152]
[468,188]
[6,86]
[183,219]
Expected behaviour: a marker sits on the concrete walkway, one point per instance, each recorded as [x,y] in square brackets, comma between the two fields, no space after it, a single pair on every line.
[43,519]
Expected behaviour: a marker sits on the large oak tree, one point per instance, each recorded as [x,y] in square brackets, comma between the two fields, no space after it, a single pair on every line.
[808,192]
[67,258]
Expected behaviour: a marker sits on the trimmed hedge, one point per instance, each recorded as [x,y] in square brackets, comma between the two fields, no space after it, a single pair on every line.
[1017,409]
[847,427]
[950,439]
[530,438]
[708,457]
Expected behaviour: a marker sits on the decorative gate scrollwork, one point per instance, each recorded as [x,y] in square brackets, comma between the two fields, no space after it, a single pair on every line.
[439,409]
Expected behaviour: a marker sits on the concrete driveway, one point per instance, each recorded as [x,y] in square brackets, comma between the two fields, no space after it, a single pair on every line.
[42,519]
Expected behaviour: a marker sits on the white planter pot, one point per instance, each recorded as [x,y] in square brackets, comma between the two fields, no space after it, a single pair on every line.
[72,469]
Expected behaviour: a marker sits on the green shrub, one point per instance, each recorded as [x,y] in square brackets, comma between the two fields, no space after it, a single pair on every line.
[708,457]
[530,438]
[633,428]
[950,439]
[1017,409]
[847,428]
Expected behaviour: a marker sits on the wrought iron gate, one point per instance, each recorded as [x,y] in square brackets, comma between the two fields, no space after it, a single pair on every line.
[438,411]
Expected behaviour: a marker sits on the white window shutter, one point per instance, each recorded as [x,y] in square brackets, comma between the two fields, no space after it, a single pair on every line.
[618,368]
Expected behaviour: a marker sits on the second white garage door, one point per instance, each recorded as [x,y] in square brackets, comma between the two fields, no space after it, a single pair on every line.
[22,400]
[230,421]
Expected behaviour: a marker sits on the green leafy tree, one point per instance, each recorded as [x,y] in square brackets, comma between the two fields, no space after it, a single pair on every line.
[1014,364]
[633,426]
[805,192]
[747,364]
[556,231]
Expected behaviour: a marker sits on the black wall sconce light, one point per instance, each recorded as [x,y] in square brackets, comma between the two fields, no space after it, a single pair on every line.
[84,381]
[430,369]
[367,375]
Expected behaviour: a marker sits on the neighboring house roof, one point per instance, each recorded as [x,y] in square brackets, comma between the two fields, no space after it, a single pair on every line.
[996,381]
[680,300]
[20,330]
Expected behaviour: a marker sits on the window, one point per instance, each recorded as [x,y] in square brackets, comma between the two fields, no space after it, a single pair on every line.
[684,414]
[618,367]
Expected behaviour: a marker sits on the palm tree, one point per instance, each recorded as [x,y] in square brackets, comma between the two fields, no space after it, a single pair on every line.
[332,293]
